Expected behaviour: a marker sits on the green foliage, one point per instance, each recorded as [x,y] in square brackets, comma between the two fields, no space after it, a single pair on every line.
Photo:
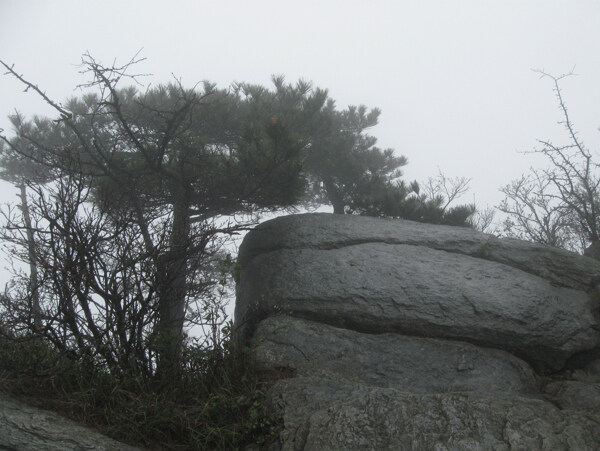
[348,170]
[344,165]
[215,404]
[399,201]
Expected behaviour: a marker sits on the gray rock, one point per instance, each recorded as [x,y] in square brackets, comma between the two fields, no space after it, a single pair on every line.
[592,370]
[321,414]
[417,365]
[23,427]
[328,231]
[416,290]
[373,316]
[575,395]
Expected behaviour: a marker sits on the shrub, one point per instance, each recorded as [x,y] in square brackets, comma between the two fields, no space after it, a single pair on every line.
[216,404]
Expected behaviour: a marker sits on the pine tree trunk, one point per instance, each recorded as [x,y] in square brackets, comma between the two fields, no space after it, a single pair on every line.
[172,292]
[593,251]
[333,195]
[36,311]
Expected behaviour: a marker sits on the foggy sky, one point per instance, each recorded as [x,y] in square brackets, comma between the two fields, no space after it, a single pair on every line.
[453,79]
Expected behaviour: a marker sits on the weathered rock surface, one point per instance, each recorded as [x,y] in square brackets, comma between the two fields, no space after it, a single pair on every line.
[592,370]
[324,414]
[407,336]
[416,365]
[23,427]
[575,395]
[415,290]
[327,231]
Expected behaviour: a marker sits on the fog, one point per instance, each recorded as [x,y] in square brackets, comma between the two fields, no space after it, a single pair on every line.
[454,80]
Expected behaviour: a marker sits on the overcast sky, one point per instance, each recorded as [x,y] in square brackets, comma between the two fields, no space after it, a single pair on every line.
[453,79]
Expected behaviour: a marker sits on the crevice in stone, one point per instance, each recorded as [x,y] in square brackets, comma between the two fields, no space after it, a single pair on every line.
[482,252]
[284,343]
[430,332]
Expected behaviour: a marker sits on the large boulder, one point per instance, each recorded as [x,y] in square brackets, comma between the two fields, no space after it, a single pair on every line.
[327,231]
[416,290]
[398,335]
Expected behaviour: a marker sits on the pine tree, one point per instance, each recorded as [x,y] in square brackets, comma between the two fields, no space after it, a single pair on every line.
[174,162]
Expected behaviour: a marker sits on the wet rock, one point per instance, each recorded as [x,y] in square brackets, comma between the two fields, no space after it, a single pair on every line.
[415,290]
[416,365]
[24,427]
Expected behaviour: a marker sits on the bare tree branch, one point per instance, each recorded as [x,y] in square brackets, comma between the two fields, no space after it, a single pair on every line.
[559,205]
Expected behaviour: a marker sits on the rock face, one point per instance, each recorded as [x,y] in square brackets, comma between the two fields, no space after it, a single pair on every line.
[23,427]
[326,231]
[323,414]
[402,335]
[417,365]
